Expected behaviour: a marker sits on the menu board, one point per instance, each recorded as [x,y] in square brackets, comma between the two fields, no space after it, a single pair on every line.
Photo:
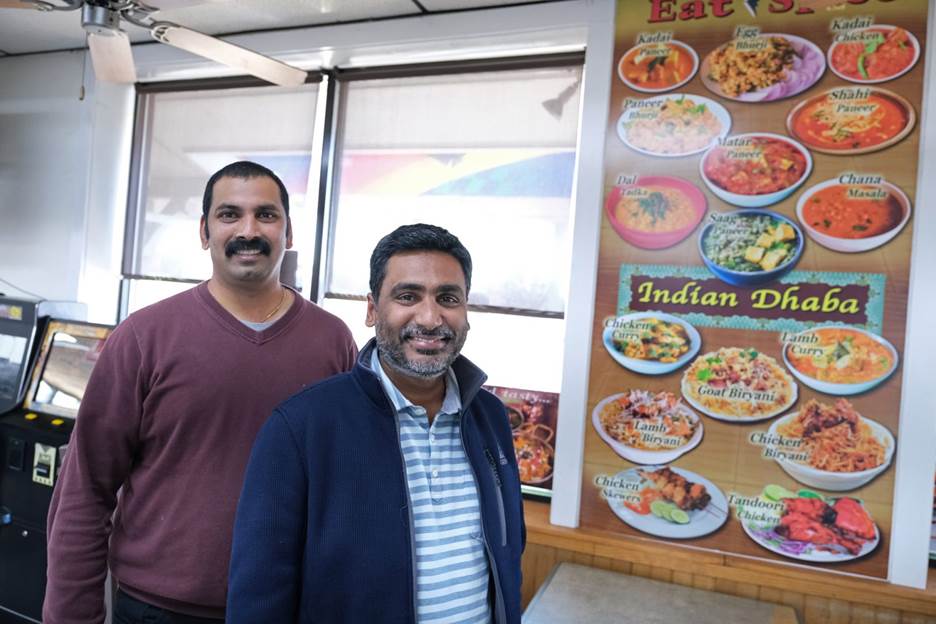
[532,415]
[750,312]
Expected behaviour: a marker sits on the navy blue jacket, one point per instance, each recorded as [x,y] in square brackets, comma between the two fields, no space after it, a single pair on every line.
[323,533]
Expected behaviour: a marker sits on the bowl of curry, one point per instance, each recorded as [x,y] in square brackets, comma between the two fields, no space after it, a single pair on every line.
[651,343]
[851,120]
[655,211]
[840,360]
[875,54]
[658,67]
[850,217]
[534,452]
[756,169]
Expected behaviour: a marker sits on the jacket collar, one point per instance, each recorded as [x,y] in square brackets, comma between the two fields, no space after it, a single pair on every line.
[470,378]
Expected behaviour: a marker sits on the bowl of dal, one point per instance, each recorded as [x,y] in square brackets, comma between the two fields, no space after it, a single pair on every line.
[655,211]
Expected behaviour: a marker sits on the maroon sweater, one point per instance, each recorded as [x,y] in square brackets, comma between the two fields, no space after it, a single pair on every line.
[170,414]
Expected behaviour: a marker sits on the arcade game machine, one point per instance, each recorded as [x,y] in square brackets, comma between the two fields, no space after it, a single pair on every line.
[33,442]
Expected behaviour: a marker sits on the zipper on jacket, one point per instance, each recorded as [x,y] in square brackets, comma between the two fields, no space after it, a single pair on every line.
[409,503]
[500,609]
[500,496]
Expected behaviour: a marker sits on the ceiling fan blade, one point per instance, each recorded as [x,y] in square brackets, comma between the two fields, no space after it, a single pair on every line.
[111,57]
[229,54]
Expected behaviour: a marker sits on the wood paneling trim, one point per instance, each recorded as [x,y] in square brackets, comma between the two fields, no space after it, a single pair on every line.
[817,597]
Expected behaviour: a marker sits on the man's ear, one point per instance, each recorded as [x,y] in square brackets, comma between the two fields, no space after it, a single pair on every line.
[371,319]
[203,232]
[288,233]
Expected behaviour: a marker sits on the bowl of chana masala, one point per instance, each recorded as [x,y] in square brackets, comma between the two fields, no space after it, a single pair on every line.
[854,216]
[655,211]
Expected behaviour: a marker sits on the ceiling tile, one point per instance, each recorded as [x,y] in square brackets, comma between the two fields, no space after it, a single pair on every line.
[248,15]
[450,5]
[24,31]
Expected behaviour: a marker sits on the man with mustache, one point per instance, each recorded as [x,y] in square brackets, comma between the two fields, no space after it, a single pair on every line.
[169,416]
[389,494]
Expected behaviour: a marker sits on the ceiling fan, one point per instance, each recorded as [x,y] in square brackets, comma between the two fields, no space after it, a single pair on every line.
[110,46]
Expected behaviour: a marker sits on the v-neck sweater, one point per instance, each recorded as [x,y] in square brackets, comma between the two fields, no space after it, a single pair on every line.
[170,414]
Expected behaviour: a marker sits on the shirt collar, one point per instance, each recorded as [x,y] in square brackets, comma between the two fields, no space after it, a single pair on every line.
[451,404]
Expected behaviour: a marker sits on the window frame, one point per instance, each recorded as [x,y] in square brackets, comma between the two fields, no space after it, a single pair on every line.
[330,93]
[139,168]
[447,68]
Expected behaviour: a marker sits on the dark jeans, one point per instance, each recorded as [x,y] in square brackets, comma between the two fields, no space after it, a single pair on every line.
[129,610]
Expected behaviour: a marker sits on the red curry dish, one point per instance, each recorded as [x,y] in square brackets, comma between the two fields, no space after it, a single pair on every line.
[849,211]
[759,166]
[874,122]
[887,53]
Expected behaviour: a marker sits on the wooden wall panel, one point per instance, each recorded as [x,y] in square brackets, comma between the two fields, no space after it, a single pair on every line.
[817,598]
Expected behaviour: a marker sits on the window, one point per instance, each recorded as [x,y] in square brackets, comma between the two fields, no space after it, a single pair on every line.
[184,137]
[479,154]
[486,150]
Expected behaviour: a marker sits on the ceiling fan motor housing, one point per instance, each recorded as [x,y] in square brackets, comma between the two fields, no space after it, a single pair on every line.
[100,19]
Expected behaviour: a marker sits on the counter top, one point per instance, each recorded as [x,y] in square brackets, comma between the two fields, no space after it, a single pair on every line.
[726,568]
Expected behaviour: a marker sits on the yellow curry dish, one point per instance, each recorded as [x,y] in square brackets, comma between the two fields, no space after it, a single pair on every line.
[656,209]
[650,343]
[840,360]
[652,339]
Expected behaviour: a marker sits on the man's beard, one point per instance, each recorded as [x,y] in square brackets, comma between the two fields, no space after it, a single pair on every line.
[392,350]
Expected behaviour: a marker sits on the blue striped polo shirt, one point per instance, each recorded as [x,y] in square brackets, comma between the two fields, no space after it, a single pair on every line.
[451,565]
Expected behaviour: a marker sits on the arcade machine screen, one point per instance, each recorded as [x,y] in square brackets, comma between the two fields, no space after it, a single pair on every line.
[65,373]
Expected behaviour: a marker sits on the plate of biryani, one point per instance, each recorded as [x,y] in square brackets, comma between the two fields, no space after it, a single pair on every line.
[738,385]
[840,360]
[658,67]
[673,125]
[647,427]
[811,527]
[651,343]
[763,68]
[668,502]
[831,446]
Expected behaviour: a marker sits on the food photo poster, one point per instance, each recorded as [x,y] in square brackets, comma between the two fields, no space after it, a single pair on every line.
[750,311]
[533,415]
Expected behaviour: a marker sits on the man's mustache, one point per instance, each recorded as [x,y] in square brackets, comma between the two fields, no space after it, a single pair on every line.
[244,244]
[416,331]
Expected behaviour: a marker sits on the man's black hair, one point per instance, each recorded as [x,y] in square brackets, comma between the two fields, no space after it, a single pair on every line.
[245,170]
[416,237]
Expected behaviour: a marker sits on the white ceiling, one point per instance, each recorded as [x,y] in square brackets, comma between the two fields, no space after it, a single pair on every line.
[28,31]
